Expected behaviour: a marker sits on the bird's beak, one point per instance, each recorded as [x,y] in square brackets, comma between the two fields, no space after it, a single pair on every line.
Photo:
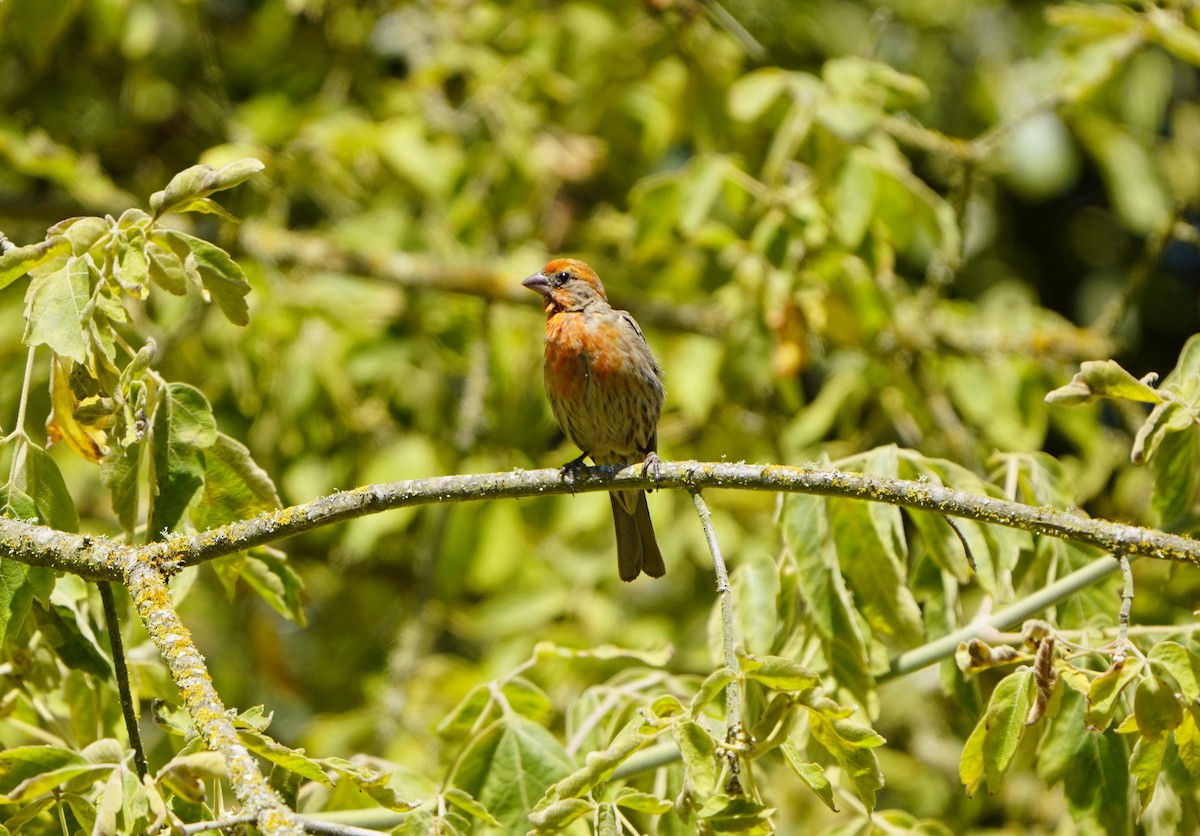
[538,283]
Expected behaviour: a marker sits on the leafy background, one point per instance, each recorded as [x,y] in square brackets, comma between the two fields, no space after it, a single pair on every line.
[842,225]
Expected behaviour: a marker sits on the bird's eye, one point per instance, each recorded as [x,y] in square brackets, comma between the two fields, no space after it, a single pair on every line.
[564,275]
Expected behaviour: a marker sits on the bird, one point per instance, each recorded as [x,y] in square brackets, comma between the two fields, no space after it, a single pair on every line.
[606,391]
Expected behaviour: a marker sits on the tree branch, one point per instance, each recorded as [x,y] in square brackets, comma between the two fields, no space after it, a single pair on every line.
[420,272]
[174,643]
[101,559]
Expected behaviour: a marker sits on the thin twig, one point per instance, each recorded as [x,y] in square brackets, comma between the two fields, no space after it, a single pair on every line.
[733,694]
[752,46]
[329,828]
[311,825]
[733,697]
[113,625]
[962,538]
[216,824]
[1122,643]
[1115,312]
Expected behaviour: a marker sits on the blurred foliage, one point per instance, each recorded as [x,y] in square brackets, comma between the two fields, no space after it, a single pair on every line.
[876,234]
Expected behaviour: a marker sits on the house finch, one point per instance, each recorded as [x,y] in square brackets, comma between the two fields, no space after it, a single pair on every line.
[606,391]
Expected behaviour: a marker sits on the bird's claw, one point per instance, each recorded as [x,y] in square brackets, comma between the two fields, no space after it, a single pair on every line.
[569,471]
[651,466]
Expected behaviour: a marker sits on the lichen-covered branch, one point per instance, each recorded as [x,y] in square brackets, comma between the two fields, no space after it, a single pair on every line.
[99,558]
[1114,537]
[174,642]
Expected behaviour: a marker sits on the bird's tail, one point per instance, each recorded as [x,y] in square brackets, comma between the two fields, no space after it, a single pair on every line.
[637,549]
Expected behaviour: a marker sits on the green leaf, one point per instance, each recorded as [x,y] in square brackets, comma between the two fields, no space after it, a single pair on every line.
[56,306]
[713,685]
[35,474]
[872,553]
[510,763]
[599,766]
[603,653]
[1174,34]
[1097,784]
[699,190]
[643,802]
[70,634]
[208,206]
[165,269]
[200,181]
[780,674]
[994,741]
[82,233]
[854,198]
[1145,764]
[1176,477]
[19,585]
[134,267]
[119,473]
[811,774]
[1156,709]
[220,275]
[172,718]
[376,784]
[43,783]
[851,745]
[819,579]
[607,822]
[527,699]
[235,487]
[756,589]
[1102,379]
[1166,419]
[737,815]
[1181,664]
[1187,738]
[772,728]
[470,806]
[183,427]
[21,763]
[293,760]
[276,582]
[554,817]
[463,717]
[754,92]
[1106,691]
[1186,369]
[19,261]
[699,752]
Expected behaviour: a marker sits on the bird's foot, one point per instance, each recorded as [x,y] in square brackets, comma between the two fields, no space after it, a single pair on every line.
[651,466]
[569,471]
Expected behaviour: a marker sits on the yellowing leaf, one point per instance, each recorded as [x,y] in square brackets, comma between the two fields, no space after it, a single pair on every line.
[86,438]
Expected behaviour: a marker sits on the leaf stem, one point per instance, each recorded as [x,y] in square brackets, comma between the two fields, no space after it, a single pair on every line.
[19,429]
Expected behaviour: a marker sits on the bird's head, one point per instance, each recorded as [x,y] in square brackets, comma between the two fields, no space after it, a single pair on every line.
[567,284]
